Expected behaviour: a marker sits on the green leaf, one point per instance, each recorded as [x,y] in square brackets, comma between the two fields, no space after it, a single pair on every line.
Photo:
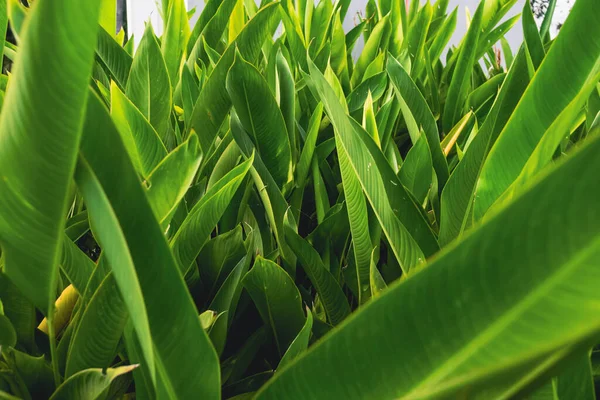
[35,172]
[225,301]
[573,382]
[8,335]
[417,35]
[143,144]
[457,196]
[460,83]
[375,85]
[174,40]
[214,103]
[418,116]
[329,291]
[533,41]
[369,174]
[90,384]
[218,259]
[204,216]
[148,86]
[286,98]
[20,311]
[17,14]
[261,117]
[94,343]
[275,205]
[108,16]
[277,299]
[312,133]
[143,266]
[443,36]
[377,283]
[34,373]
[76,265]
[416,171]
[237,20]
[300,343]
[3,26]
[171,179]
[521,134]
[480,339]
[369,52]
[113,57]
[189,94]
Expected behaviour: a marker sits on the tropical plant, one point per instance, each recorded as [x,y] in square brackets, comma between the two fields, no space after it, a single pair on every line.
[223,212]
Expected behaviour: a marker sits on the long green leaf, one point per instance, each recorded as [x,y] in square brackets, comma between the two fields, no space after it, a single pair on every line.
[417,112]
[260,115]
[142,265]
[457,197]
[115,59]
[204,216]
[171,179]
[174,40]
[277,299]
[39,142]
[141,139]
[331,295]
[533,116]
[94,343]
[148,85]
[459,85]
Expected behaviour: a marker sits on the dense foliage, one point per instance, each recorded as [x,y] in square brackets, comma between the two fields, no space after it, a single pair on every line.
[229,212]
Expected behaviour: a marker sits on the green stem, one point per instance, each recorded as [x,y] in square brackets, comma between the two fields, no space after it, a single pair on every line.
[53,351]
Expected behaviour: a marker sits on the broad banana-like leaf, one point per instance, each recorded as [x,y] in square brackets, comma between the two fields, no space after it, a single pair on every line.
[277,299]
[545,98]
[90,384]
[114,58]
[20,311]
[148,85]
[142,264]
[261,117]
[300,343]
[94,342]
[143,144]
[330,293]
[174,40]
[237,20]
[39,142]
[171,179]
[225,301]
[486,336]
[416,171]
